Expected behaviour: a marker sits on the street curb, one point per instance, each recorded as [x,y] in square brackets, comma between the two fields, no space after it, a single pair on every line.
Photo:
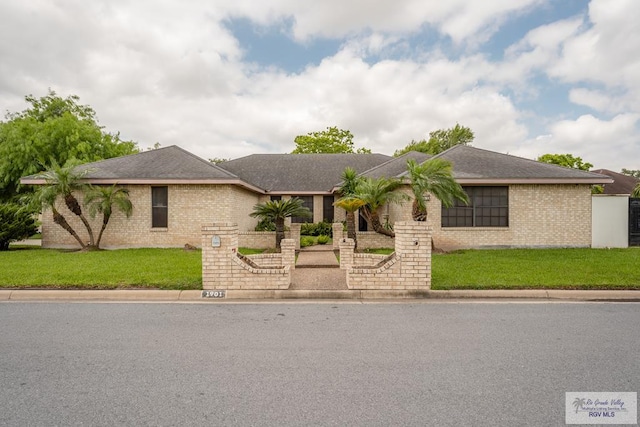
[262,295]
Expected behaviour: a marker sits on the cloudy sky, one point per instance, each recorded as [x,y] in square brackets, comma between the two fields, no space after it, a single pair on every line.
[227,78]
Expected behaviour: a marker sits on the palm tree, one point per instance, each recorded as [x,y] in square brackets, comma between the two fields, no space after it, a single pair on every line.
[579,403]
[636,191]
[376,193]
[347,191]
[63,181]
[350,204]
[434,176]
[101,199]
[278,210]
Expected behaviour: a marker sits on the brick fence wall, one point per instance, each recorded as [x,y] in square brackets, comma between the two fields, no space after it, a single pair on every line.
[222,268]
[408,268]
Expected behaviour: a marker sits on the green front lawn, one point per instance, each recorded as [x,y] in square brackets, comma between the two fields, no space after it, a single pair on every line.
[537,268]
[31,267]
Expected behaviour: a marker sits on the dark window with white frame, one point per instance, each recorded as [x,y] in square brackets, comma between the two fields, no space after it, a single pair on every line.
[307,201]
[159,207]
[488,207]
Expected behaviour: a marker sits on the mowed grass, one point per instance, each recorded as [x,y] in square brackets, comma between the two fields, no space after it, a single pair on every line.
[537,268]
[29,267]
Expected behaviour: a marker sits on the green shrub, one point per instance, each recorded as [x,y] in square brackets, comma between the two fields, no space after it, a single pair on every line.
[265,225]
[323,239]
[16,223]
[307,241]
[317,229]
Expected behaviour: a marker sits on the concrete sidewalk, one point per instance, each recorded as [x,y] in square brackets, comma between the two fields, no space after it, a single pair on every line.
[317,269]
[154,295]
[317,256]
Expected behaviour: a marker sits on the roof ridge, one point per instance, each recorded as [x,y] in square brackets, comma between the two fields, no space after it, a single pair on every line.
[511,156]
[208,163]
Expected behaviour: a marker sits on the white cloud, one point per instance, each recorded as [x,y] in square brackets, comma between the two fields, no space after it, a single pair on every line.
[173,73]
[610,144]
[461,20]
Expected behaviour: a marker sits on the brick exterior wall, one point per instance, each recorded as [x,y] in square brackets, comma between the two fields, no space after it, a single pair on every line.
[223,269]
[190,206]
[408,268]
[539,216]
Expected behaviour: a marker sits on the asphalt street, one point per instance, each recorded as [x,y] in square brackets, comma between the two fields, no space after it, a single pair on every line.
[440,364]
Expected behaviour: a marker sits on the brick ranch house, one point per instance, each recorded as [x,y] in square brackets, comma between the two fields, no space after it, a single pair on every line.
[515,202]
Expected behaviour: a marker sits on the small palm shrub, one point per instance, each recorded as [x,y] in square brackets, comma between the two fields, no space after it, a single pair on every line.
[317,229]
[323,239]
[307,241]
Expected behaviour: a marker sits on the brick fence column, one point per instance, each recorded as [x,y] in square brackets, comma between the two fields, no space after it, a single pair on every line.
[295,233]
[347,247]
[288,252]
[216,260]
[338,234]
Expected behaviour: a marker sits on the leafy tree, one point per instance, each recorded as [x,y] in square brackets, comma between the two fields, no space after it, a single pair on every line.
[102,199]
[332,140]
[63,181]
[566,160]
[631,172]
[52,128]
[278,210]
[217,160]
[440,140]
[435,177]
[376,193]
[16,223]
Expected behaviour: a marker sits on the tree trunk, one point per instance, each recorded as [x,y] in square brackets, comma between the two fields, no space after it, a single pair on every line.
[4,245]
[279,231]
[377,225]
[373,219]
[62,222]
[417,213]
[74,206]
[351,228]
[105,221]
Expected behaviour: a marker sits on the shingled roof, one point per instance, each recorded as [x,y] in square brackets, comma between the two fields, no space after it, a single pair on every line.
[299,173]
[396,166]
[622,184]
[167,165]
[477,166]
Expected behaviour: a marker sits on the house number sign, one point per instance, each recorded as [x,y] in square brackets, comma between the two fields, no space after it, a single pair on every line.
[215,241]
[213,294]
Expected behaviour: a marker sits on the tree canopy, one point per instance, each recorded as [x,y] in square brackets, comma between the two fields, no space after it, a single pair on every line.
[440,140]
[52,129]
[566,160]
[631,172]
[332,140]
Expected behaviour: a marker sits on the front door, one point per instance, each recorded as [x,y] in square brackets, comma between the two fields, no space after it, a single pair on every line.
[634,222]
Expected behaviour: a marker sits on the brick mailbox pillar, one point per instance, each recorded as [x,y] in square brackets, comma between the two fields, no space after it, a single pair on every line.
[219,241]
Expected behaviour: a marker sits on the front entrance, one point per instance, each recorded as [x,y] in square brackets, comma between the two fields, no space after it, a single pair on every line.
[634,222]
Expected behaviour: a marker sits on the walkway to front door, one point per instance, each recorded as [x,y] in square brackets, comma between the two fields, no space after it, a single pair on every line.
[317,268]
